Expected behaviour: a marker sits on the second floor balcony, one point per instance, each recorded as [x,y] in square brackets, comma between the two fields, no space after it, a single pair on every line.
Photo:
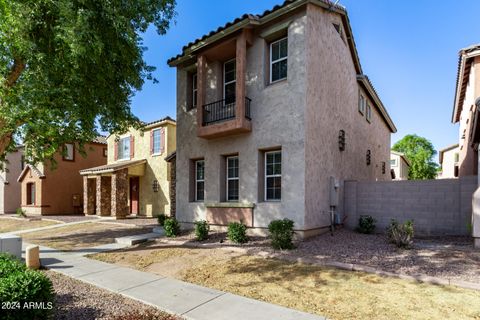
[223,110]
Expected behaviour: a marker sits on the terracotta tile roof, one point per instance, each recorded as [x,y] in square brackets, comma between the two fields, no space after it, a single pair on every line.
[112,167]
[167,118]
[34,169]
[100,139]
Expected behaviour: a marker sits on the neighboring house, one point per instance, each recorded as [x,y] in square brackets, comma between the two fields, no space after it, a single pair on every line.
[448,158]
[400,165]
[54,191]
[10,189]
[467,90]
[136,179]
[274,113]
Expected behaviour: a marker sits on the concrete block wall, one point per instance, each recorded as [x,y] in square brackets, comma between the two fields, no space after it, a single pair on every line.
[438,207]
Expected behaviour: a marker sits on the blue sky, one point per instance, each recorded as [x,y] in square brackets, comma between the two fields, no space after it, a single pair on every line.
[409,49]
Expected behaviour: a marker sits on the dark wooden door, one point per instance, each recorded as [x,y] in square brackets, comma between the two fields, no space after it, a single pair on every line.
[134,194]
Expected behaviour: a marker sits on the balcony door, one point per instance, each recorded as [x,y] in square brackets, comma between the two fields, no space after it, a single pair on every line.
[229,82]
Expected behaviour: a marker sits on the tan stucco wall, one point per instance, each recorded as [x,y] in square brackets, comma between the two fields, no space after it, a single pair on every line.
[151,203]
[54,193]
[302,115]
[448,164]
[10,194]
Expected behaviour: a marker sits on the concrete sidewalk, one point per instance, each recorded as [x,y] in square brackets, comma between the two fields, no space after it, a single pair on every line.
[173,296]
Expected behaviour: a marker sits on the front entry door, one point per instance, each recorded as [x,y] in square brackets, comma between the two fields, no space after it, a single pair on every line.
[134,194]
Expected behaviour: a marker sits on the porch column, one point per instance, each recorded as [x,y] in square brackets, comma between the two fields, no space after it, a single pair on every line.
[201,83]
[89,195]
[241,69]
[119,199]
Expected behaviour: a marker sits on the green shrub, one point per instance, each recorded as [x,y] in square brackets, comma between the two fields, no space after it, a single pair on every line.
[161,219]
[171,226]
[21,213]
[401,234]
[366,224]
[281,233]
[29,293]
[201,230]
[237,232]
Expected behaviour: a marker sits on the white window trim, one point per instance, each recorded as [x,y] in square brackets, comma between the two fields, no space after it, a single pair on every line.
[194,89]
[231,179]
[230,82]
[270,176]
[128,138]
[394,162]
[199,180]
[278,60]
[153,142]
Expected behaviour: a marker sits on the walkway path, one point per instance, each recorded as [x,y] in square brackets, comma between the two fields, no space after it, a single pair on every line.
[173,296]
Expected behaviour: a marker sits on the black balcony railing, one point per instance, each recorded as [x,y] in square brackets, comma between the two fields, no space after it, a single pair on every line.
[222,111]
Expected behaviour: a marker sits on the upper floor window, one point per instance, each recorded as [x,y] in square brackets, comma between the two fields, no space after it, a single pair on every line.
[157,141]
[194,90]
[369,112]
[123,151]
[69,152]
[199,180]
[229,81]
[273,175]
[393,162]
[278,59]
[232,178]
[361,104]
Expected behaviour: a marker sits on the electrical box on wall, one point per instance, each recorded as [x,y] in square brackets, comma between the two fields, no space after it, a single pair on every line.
[334,191]
[11,244]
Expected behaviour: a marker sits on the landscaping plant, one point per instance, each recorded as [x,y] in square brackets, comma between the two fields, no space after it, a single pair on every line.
[161,219]
[21,213]
[24,293]
[281,233]
[201,230]
[172,227]
[237,232]
[366,224]
[401,234]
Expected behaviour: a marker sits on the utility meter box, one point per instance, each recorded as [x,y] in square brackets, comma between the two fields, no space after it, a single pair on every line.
[11,244]
[334,191]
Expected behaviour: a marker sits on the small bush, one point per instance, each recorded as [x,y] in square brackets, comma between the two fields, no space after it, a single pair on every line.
[237,232]
[281,233]
[171,226]
[201,230]
[161,219]
[29,293]
[21,213]
[401,234]
[366,224]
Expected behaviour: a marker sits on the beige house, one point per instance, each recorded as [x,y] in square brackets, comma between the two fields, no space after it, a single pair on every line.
[10,188]
[274,114]
[400,165]
[136,179]
[448,158]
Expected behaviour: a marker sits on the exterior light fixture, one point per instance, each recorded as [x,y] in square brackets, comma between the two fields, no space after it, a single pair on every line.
[369,157]
[341,140]
[155,186]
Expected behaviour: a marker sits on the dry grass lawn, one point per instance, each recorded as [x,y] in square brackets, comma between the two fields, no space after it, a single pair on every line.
[10,225]
[82,235]
[334,293]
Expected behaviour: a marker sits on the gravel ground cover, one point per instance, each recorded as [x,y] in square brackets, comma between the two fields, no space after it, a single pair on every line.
[337,294]
[146,222]
[78,300]
[61,218]
[15,224]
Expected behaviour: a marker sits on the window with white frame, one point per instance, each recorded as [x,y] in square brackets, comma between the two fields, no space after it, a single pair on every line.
[232,178]
[278,59]
[157,141]
[69,152]
[199,180]
[229,81]
[124,148]
[273,175]
[194,90]
[393,162]
[369,112]
[361,104]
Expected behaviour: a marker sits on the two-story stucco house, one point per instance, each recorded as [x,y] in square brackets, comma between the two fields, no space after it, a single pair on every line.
[136,179]
[10,188]
[57,190]
[274,113]
[448,158]
[400,165]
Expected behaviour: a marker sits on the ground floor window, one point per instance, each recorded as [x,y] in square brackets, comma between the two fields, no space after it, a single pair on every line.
[199,180]
[273,175]
[30,193]
[232,178]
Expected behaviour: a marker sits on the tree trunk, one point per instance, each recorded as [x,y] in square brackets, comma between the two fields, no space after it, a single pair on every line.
[5,140]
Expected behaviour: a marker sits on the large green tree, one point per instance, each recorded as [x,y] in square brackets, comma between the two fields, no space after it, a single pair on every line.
[69,68]
[420,152]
